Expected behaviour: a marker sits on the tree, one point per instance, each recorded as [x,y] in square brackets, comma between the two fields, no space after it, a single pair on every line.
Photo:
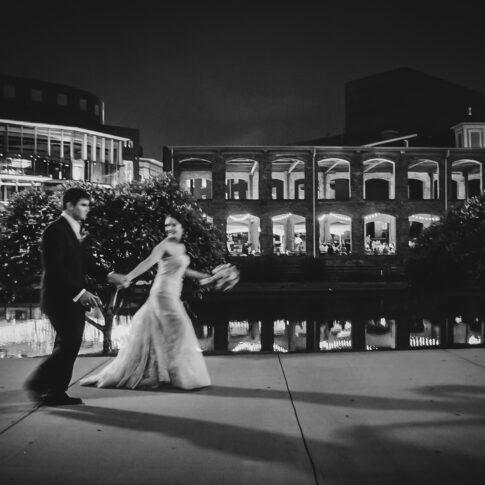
[451,254]
[123,226]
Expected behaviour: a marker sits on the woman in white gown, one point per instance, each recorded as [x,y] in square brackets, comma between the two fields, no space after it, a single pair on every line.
[162,346]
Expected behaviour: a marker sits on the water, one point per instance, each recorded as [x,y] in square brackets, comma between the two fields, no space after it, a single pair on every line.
[329,326]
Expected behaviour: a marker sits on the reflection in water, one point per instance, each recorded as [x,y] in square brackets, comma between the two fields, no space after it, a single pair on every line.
[244,336]
[33,336]
[380,334]
[468,332]
[336,335]
[289,336]
[424,333]
[205,335]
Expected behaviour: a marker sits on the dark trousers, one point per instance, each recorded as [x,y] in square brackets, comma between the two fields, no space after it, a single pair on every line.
[55,373]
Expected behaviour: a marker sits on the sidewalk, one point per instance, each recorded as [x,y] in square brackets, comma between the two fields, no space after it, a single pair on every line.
[410,417]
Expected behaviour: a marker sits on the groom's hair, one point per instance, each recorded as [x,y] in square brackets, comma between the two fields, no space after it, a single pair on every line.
[74,195]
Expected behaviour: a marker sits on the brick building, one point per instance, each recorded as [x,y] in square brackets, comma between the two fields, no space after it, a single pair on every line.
[360,201]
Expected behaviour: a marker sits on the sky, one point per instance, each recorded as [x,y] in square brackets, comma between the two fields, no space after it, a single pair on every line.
[235,72]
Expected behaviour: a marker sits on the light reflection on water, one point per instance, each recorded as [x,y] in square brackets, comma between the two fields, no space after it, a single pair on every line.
[35,336]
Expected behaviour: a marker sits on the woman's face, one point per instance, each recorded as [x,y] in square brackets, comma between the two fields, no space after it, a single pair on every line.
[173,228]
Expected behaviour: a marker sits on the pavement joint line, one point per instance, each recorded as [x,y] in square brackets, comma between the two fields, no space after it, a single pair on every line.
[450,351]
[305,444]
[38,405]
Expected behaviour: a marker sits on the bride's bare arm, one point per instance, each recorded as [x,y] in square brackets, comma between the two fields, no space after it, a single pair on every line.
[147,263]
[196,275]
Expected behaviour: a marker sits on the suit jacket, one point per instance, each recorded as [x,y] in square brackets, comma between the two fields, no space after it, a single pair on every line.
[64,264]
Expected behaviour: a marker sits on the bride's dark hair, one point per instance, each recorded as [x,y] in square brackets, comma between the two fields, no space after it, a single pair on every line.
[175,216]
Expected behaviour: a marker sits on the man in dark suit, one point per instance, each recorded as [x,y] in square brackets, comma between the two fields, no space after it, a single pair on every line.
[64,299]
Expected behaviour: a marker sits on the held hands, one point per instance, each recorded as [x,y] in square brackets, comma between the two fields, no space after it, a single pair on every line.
[119,280]
[225,277]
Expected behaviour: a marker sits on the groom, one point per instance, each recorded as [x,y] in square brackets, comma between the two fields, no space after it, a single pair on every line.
[64,298]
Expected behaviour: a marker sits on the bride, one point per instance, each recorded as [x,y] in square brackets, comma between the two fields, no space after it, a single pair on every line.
[162,345]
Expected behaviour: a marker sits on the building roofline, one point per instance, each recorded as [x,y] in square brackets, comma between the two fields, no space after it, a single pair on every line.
[356,148]
[64,127]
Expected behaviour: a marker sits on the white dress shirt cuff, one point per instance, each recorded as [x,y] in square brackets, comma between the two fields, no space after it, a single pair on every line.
[81,293]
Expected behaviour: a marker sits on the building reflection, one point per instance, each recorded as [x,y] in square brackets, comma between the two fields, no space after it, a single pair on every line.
[25,332]
[336,335]
[244,336]
[468,330]
[380,334]
[425,333]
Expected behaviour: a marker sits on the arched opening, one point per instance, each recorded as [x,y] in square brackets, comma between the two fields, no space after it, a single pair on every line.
[288,179]
[379,179]
[466,176]
[335,234]
[277,189]
[418,223]
[242,179]
[196,177]
[289,234]
[242,234]
[380,234]
[333,179]
[415,189]
[423,176]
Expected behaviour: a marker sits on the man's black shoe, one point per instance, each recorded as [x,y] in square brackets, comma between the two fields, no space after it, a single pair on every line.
[60,400]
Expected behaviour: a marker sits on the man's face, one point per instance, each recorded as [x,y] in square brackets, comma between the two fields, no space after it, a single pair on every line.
[80,210]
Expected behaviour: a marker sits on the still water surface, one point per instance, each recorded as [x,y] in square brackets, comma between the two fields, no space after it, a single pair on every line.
[25,332]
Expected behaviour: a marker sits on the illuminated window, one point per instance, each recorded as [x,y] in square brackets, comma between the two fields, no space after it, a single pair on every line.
[83,104]
[96,109]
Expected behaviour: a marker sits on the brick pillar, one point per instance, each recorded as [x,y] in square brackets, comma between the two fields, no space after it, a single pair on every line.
[311,195]
[220,221]
[401,191]
[356,178]
[358,235]
[357,196]
[402,234]
[266,235]
[219,177]
[264,177]
[401,178]
[309,236]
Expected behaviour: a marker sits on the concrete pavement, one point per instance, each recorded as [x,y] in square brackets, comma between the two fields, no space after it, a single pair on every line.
[366,417]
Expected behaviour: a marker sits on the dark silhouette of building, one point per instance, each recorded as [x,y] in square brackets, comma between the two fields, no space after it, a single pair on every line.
[404,102]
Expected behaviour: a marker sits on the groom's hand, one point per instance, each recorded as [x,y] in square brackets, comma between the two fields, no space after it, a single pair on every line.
[87,299]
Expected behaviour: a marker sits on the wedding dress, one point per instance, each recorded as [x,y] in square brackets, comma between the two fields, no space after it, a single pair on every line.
[162,345]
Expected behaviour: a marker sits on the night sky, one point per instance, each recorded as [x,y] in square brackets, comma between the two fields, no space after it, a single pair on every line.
[235,73]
